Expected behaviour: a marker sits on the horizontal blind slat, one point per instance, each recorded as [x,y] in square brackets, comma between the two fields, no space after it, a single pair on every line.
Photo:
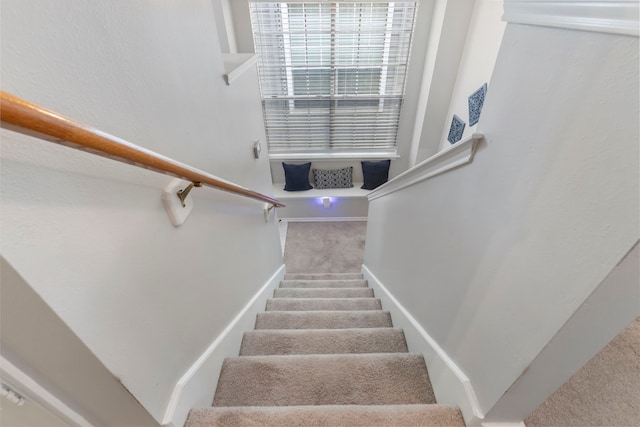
[332,75]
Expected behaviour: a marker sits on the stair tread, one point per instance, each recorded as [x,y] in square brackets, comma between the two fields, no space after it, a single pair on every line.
[343,379]
[349,283]
[323,293]
[325,415]
[323,319]
[323,341]
[305,304]
[314,276]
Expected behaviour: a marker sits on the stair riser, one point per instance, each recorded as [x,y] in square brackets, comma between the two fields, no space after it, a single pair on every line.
[306,416]
[324,276]
[342,304]
[323,284]
[323,293]
[323,320]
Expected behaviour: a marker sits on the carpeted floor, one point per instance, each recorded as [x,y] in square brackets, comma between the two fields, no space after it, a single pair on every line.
[324,360]
[605,392]
[324,352]
[319,247]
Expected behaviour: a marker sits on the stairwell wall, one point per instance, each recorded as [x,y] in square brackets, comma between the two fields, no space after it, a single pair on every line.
[91,236]
[493,258]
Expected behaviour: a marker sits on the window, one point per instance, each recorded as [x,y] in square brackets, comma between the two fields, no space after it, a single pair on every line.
[332,74]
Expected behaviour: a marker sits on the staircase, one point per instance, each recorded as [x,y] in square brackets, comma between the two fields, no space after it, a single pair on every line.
[324,353]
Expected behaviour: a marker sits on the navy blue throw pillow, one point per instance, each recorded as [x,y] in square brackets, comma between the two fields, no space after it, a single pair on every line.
[296,177]
[375,173]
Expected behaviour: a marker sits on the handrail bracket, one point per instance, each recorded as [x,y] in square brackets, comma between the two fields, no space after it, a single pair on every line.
[25,117]
[267,210]
[182,194]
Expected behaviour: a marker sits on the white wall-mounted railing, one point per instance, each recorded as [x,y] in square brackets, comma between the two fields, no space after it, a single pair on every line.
[454,156]
[236,64]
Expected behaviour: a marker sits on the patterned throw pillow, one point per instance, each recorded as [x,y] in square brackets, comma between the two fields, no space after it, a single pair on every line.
[335,178]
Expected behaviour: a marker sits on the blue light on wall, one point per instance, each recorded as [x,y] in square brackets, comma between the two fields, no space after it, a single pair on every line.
[325,201]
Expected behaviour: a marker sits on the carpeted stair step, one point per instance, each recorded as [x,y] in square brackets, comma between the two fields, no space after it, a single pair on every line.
[336,379]
[307,304]
[323,276]
[350,283]
[323,293]
[323,341]
[323,319]
[342,415]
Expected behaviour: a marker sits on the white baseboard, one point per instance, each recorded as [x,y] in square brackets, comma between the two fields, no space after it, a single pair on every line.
[326,219]
[450,385]
[197,385]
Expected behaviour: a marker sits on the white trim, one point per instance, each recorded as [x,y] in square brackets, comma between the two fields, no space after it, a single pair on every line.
[458,154]
[354,192]
[511,424]
[236,64]
[450,384]
[360,155]
[235,329]
[326,219]
[603,16]
[30,389]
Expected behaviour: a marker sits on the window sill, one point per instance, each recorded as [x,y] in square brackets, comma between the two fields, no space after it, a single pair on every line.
[335,156]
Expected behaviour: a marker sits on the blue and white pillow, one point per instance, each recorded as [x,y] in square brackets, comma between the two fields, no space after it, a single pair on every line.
[334,178]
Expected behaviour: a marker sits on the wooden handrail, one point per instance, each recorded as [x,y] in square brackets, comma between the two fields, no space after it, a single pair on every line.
[46,124]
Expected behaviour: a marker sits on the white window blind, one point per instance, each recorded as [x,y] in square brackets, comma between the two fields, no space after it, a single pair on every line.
[332,74]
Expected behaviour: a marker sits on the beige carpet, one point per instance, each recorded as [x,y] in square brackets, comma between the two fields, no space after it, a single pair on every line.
[310,304]
[324,360]
[325,247]
[323,319]
[328,416]
[322,283]
[605,392]
[323,341]
[324,379]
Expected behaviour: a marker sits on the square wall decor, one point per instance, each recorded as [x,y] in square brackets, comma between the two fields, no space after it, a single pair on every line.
[476,100]
[456,129]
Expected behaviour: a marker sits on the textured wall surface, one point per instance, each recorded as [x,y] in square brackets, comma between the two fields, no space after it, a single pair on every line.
[494,257]
[90,236]
[478,59]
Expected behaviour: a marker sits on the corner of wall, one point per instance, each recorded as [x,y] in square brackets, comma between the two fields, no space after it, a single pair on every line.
[197,386]
[607,310]
[450,385]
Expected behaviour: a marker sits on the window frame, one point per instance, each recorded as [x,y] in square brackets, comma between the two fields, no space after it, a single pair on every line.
[334,98]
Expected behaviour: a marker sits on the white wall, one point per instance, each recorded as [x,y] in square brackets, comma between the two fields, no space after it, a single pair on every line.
[494,257]
[476,65]
[443,47]
[224,25]
[91,236]
[38,343]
